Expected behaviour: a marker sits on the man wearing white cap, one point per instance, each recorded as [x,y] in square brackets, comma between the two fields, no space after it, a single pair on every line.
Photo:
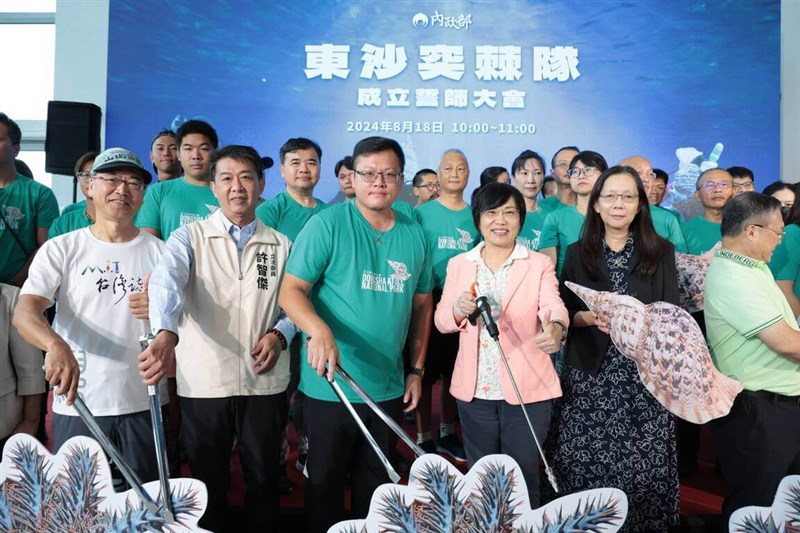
[93,347]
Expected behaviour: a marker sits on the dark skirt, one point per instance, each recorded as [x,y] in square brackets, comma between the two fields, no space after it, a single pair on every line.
[609,431]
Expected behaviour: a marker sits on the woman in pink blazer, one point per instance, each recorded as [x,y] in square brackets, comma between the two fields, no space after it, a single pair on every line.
[522,289]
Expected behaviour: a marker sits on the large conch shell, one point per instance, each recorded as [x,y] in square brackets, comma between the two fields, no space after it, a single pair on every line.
[670,353]
[692,278]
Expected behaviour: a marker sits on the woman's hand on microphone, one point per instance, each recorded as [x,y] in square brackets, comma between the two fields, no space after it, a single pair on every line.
[464,306]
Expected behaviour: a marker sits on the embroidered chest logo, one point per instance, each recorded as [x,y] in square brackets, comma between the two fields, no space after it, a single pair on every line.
[395,282]
[267,267]
[464,241]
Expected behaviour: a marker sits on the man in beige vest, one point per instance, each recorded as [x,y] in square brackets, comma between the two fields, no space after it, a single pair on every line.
[216,290]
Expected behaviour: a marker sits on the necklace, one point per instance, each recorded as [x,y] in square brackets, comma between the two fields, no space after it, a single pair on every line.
[378,236]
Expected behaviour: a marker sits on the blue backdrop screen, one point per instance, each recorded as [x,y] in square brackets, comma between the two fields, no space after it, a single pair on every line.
[491,78]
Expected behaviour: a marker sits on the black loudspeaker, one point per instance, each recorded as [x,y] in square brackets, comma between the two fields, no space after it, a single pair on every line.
[73,128]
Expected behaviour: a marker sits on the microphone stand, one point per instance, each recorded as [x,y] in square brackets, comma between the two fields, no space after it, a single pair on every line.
[485,311]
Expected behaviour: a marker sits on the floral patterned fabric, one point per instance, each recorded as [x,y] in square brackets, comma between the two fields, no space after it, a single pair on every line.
[493,286]
[611,432]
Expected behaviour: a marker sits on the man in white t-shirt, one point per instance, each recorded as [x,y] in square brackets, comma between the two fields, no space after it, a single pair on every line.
[93,346]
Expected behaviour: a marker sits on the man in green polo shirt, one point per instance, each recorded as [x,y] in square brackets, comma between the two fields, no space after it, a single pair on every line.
[358,277]
[714,191]
[665,222]
[171,204]
[754,338]
[27,209]
[289,211]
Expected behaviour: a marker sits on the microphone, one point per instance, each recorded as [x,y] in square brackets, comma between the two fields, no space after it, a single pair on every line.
[485,311]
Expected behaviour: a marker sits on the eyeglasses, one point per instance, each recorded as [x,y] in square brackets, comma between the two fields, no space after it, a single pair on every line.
[114,183]
[611,198]
[780,234]
[575,172]
[492,214]
[389,176]
[83,175]
[711,185]
[562,164]
[748,186]
[433,186]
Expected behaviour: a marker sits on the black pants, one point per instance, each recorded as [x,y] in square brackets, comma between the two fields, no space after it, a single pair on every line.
[207,429]
[757,444]
[336,448]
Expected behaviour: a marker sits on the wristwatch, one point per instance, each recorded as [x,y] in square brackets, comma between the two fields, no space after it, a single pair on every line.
[417,371]
[563,330]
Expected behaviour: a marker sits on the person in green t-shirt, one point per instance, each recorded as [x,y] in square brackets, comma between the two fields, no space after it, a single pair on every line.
[714,189]
[27,209]
[562,227]
[425,186]
[358,280]
[171,204]
[164,155]
[559,170]
[343,170]
[289,211]
[665,222]
[528,172]
[72,219]
[754,338]
[449,231]
[785,263]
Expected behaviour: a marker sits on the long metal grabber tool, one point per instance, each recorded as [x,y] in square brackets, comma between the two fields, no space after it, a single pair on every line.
[394,426]
[127,472]
[393,475]
[159,440]
[485,311]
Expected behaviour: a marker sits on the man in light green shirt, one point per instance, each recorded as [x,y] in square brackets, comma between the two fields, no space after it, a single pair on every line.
[27,209]
[714,189]
[754,338]
[171,204]
[289,211]
[358,280]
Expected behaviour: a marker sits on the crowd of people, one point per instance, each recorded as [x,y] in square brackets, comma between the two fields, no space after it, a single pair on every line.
[254,303]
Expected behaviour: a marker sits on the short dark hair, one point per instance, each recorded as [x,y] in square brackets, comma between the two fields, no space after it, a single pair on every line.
[14,133]
[493,195]
[741,172]
[793,216]
[373,145]
[650,247]
[490,174]
[661,175]
[237,152]
[199,127]
[163,133]
[553,160]
[299,143]
[746,209]
[776,186]
[346,162]
[82,160]
[417,181]
[590,159]
[522,158]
